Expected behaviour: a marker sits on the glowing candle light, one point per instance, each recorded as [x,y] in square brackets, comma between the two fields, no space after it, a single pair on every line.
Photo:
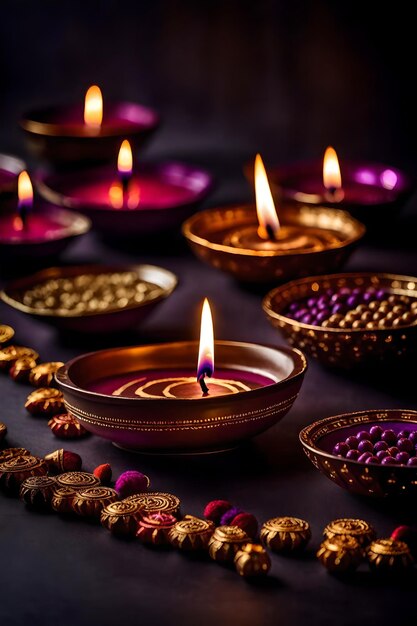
[332,178]
[93,107]
[206,349]
[25,200]
[265,208]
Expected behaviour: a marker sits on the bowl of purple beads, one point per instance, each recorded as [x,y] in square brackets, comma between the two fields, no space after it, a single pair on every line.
[346,320]
[371,453]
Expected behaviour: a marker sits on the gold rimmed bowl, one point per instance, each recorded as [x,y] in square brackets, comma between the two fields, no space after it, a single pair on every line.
[210,231]
[91,298]
[147,398]
[318,441]
[344,347]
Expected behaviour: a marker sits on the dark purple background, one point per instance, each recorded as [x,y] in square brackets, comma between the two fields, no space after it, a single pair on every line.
[230,78]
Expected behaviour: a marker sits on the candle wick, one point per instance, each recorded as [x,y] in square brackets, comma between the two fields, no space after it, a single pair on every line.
[270,232]
[203,385]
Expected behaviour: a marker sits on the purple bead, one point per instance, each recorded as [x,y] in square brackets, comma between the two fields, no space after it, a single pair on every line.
[402,458]
[364,456]
[382,454]
[314,310]
[375,432]
[337,299]
[357,291]
[352,442]
[389,436]
[413,437]
[339,309]
[311,302]
[345,291]
[365,446]
[393,451]
[380,294]
[353,455]
[307,319]
[405,445]
[372,459]
[352,302]
[403,434]
[299,314]
[389,460]
[341,449]
[412,461]
[380,446]
[367,297]
[294,306]
[323,315]
[363,435]
[329,292]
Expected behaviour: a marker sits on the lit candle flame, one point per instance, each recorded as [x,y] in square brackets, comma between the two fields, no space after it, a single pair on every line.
[332,178]
[93,107]
[206,349]
[267,216]
[125,160]
[25,200]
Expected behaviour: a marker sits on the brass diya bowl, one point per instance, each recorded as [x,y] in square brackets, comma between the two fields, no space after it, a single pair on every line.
[318,440]
[344,347]
[91,298]
[57,134]
[209,233]
[110,394]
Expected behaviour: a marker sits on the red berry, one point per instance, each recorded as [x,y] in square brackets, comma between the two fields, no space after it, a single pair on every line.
[103,473]
[215,510]
[247,522]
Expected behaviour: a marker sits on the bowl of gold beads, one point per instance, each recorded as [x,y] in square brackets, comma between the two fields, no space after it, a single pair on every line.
[91,298]
[345,320]
[370,453]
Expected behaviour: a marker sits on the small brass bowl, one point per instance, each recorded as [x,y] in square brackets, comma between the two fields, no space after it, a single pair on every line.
[91,298]
[318,440]
[162,424]
[347,347]
[207,230]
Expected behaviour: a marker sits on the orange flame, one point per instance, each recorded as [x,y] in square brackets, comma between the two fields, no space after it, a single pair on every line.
[93,107]
[265,207]
[125,159]
[24,189]
[332,178]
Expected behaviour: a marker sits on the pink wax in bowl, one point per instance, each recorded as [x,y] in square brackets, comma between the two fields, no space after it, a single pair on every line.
[160,196]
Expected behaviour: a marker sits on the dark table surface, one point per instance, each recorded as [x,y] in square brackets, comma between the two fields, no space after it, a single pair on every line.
[56,571]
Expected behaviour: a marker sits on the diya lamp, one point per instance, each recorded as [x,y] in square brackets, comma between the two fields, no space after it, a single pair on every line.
[89,132]
[163,398]
[369,191]
[129,201]
[259,246]
[37,229]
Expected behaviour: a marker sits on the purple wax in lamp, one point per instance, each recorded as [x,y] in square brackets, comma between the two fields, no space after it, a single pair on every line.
[184,384]
[26,226]
[268,234]
[350,185]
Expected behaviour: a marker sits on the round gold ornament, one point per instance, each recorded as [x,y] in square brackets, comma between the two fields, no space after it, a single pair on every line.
[252,560]
[360,530]
[191,533]
[63,499]
[45,401]
[155,502]
[340,555]
[154,529]
[121,518]
[285,534]
[10,453]
[37,491]
[388,556]
[15,470]
[6,333]
[225,542]
[43,374]
[91,501]
[21,369]
[10,354]
[77,480]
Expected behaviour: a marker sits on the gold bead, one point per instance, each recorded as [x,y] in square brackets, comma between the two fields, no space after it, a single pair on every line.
[340,555]
[359,529]
[225,542]
[252,560]
[191,533]
[389,556]
[285,534]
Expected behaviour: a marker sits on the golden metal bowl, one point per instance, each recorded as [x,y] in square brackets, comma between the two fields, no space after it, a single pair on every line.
[318,440]
[91,298]
[90,384]
[207,230]
[337,347]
